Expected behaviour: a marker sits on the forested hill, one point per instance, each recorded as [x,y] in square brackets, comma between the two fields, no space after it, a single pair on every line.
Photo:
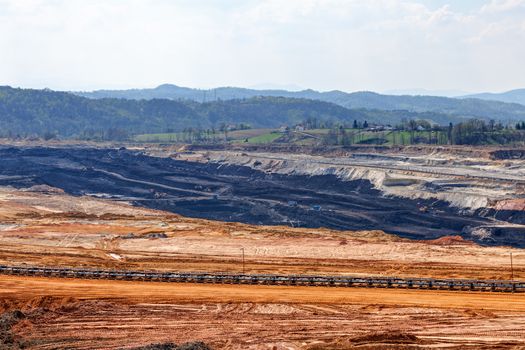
[466,107]
[512,96]
[36,112]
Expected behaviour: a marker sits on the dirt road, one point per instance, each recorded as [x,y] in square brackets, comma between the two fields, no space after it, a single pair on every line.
[79,314]
[139,292]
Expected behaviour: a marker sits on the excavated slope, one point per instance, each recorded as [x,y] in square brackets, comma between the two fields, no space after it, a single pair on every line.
[242,194]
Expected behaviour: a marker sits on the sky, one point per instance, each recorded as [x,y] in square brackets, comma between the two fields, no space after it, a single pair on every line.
[349,45]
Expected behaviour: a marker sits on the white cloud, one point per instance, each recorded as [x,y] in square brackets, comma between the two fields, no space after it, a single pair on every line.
[499,6]
[323,44]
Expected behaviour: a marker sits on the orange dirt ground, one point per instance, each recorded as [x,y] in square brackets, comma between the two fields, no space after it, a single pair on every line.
[111,314]
[46,227]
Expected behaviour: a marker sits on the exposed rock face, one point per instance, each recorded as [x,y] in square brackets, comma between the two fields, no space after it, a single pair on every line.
[468,184]
[511,204]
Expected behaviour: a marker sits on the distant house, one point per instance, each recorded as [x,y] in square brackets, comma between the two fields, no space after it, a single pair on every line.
[283,128]
[380,127]
[299,128]
[420,128]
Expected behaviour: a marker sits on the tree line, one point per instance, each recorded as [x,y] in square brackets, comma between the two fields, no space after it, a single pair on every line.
[410,132]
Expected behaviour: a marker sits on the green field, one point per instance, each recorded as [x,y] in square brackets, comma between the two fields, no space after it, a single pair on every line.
[262,136]
[247,134]
[166,137]
[265,138]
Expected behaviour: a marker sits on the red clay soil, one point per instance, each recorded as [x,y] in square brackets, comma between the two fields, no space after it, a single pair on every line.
[449,240]
[77,314]
[511,204]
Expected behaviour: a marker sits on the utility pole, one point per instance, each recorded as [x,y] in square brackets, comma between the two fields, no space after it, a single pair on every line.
[243,268]
[511,268]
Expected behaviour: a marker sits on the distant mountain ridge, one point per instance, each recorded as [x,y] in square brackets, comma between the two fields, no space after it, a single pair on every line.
[459,107]
[39,112]
[512,96]
[426,92]
[29,112]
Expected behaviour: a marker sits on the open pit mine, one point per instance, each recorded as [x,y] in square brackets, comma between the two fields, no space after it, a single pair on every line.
[261,248]
[418,196]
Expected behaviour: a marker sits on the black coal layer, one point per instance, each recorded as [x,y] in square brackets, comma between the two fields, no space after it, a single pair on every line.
[241,194]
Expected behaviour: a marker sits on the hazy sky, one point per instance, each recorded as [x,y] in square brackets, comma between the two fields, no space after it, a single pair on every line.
[321,44]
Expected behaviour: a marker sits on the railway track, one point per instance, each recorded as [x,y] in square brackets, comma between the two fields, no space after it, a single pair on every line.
[289,280]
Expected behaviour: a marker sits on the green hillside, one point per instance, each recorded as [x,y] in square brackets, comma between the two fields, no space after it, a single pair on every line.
[27,112]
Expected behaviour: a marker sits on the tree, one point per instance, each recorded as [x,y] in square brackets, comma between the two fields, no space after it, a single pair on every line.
[347,140]
[365,125]
[355,125]
[331,138]
[492,123]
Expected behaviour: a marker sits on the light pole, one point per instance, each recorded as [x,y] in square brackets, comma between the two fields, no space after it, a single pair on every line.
[243,269]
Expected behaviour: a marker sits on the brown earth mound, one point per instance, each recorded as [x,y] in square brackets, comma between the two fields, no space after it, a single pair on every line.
[50,303]
[449,240]
[8,341]
[374,340]
[172,346]
[386,338]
